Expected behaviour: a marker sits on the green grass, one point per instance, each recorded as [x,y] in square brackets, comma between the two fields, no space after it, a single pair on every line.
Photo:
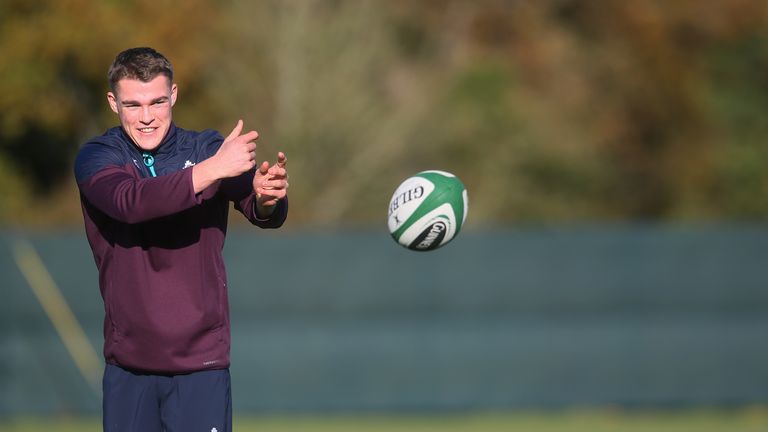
[747,419]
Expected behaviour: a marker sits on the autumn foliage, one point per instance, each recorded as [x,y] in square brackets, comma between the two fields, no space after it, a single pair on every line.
[550,111]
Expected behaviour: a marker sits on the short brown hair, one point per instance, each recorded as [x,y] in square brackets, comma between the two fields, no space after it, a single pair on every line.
[143,64]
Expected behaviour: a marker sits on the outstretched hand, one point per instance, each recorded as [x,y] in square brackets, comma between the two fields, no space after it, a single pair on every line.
[270,184]
[236,155]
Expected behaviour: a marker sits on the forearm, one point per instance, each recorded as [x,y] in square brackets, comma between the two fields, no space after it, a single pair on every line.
[131,200]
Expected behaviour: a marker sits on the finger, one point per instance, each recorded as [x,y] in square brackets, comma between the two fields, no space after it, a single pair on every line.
[281,159]
[250,148]
[277,172]
[264,168]
[236,131]
[250,136]
[274,184]
[271,194]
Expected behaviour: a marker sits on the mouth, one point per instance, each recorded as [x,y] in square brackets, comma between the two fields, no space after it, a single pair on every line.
[147,130]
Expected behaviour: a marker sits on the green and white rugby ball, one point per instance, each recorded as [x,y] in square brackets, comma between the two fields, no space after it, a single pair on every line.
[427,210]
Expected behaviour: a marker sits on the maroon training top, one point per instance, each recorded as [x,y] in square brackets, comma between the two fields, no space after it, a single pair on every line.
[158,248]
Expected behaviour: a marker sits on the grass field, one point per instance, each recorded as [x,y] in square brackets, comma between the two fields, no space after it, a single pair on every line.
[750,419]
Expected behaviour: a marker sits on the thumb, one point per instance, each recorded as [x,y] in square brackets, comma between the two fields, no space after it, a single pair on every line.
[236,131]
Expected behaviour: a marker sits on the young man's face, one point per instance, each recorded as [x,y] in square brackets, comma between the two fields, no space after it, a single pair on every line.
[144,109]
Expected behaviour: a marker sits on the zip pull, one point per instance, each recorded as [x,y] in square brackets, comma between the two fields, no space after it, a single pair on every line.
[149,160]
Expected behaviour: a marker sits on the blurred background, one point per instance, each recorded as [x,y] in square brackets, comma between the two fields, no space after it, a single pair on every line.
[614,254]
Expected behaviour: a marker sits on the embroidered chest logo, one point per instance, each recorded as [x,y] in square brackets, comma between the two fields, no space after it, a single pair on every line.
[188,164]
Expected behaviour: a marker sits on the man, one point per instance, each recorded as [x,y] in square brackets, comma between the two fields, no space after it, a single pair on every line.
[155,200]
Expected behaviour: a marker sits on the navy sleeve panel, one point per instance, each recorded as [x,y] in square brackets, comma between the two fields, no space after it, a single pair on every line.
[122,196]
[95,156]
[211,140]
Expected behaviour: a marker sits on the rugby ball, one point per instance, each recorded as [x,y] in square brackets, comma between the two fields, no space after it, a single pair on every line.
[427,210]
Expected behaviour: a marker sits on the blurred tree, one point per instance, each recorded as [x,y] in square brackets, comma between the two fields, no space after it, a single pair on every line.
[53,75]
[555,110]
[608,114]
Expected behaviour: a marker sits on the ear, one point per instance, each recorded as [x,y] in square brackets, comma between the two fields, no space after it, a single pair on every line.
[174,92]
[112,101]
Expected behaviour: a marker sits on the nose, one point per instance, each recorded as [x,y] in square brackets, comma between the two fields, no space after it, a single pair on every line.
[146,115]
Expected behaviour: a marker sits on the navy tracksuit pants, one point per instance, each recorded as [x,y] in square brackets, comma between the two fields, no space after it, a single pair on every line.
[137,401]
